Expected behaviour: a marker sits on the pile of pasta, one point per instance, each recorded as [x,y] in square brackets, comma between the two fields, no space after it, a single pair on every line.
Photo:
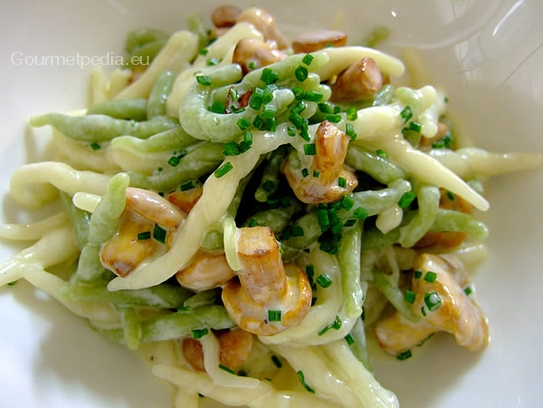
[245,209]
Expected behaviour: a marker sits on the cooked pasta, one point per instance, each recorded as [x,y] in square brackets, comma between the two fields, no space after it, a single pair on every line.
[247,213]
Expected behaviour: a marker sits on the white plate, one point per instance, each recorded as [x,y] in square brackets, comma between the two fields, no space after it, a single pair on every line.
[488,56]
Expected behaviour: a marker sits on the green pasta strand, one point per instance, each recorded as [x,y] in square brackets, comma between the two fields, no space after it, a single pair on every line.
[80,219]
[164,296]
[395,296]
[197,163]
[169,140]
[178,324]
[349,262]
[428,202]
[131,327]
[156,105]
[102,128]
[129,109]
[377,167]
[106,216]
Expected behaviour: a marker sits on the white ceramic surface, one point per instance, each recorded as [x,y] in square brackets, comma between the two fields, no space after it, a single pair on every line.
[487,54]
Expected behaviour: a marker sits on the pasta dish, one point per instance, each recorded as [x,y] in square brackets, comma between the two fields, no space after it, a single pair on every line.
[248,211]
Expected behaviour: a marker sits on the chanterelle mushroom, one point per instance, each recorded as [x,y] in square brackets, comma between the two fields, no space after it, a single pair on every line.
[269,297]
[443,305]
[326,178]
[146,214]
[359,81]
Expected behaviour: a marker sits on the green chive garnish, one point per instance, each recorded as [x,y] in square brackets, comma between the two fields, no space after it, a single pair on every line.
[274,315]
[324,280]
[225,168]
[301,377]
[159,234]
[301,73]
[203,80]
[310,149]
[199,333]
[430,276]
[307,59]
[144,235]
[409,296]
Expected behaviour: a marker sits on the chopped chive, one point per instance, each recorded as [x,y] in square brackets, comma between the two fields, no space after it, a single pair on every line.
[322,217]
[468,290]
[142,236]
[269,111]
[304,134]
[298,93]
[252,223]
[334,118]
[189,185]
[199,333]
[255,101]
[313,96]
[218,107]
[450,195]
[212,61]
[349,223]
[274,315]
[406,114]
[297,231]
[227,369]
[268,186]
[267,95]
[159,234]
[404,355]
[406,199]
[225,168]
[325,108]
[422,311]
[349,339]
[337,323]
[324,280]
[415,127]
[203,51]
[430,276]
[248,137]
[349,131]
[12,283]
[269,76]
[298,120]
[432,300]
[159,169]
[307,59]
[342,182]
[361,213]
[95,146]
[352,113]
[204,80]
[418,274]
[276,361]
[301,73]
[316,173]
[381,153]
[243,123]
[299,107]
[409,296]
[291,130]
[174,161]
[301,377]
[231,149]
[305,172]
[347,202]
[310,149]
[251,65]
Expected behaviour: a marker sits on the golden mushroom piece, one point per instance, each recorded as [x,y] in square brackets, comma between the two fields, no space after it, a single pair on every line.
[268,297]
[327,178]
[439,297]
[146,214]
[265,23]
[359,81]
[251,53]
